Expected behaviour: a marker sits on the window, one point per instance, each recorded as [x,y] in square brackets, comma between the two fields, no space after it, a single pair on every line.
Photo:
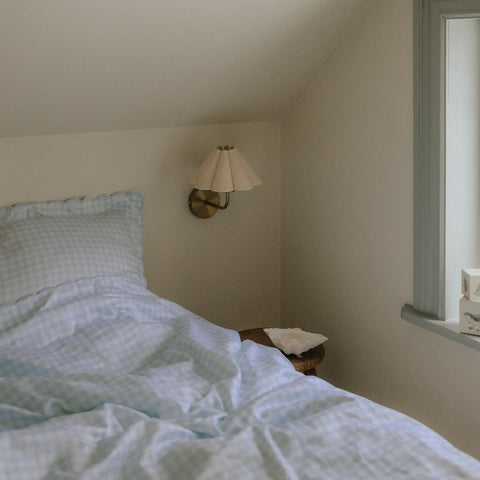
[431,26]
[462,154]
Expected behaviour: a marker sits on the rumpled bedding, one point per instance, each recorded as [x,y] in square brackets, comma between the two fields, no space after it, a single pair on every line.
[101,379]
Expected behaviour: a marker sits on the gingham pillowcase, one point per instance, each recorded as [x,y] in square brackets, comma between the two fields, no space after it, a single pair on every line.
[45,244]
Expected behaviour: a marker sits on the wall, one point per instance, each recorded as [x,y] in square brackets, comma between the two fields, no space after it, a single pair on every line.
[225,268]
[347,231]
[462,155]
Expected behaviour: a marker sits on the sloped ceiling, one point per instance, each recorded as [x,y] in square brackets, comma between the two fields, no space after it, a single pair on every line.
[90,65]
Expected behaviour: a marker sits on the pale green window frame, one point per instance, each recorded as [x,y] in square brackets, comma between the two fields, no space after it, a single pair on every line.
[428,309]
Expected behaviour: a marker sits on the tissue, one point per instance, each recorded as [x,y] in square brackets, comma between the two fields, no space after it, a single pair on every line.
[294,340]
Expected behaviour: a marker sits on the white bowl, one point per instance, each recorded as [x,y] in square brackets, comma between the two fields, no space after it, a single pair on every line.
[294,340]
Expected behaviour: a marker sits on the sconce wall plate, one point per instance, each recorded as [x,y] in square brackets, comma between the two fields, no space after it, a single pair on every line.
[197,203]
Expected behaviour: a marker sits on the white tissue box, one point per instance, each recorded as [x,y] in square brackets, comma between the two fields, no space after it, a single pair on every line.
[471,284]
[469,316]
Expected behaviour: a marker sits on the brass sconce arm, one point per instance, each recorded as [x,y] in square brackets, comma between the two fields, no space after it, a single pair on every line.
[225,204]
[205,203]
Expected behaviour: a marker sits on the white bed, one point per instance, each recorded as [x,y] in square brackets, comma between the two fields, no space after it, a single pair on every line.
[102,379]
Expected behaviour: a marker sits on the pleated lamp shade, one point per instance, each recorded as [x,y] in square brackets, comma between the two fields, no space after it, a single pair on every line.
[225,170]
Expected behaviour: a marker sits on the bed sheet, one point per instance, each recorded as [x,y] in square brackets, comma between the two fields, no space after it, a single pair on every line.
[101,379]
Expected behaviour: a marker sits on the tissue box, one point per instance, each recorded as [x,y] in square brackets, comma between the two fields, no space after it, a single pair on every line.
[469,316]
[471,284]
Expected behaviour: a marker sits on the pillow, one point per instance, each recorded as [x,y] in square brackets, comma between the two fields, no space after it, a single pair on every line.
[44,244]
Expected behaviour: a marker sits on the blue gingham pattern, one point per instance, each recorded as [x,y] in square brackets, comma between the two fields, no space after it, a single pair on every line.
[100,379]
[47,243]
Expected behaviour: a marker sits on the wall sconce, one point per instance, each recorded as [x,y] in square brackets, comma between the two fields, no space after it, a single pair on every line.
[224,170]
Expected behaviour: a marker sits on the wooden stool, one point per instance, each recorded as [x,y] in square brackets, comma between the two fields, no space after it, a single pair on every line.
[305,364]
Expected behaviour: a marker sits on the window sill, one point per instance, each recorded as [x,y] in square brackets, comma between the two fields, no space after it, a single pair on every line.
[447,328]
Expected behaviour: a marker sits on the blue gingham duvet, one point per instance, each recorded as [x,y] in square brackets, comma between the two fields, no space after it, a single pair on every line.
[101,379]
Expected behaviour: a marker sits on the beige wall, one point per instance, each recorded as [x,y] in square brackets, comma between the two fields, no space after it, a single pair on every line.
[225,268]
[347,231]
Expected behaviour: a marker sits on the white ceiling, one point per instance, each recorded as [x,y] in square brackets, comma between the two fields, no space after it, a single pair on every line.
[88,65]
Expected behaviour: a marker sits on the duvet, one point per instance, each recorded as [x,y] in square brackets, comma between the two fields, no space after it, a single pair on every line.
[101,379]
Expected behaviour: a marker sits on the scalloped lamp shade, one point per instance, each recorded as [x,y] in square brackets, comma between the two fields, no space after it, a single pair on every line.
[225,170]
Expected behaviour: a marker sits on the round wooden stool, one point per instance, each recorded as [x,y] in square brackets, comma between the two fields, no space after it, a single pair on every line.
[305,364]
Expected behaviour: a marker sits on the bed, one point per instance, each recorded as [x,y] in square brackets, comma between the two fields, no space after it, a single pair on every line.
[102,379]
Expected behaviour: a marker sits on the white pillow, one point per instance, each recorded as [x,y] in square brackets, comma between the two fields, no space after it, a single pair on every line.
[44,244]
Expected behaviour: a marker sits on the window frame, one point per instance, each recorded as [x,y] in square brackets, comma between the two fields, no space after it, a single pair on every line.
[429,25]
